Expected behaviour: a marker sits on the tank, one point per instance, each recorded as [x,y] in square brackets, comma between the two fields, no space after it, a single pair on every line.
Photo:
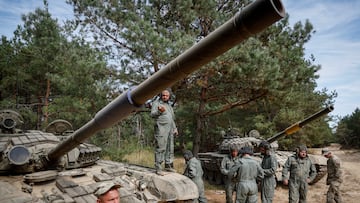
[27,176]
[211,161]
[57,165]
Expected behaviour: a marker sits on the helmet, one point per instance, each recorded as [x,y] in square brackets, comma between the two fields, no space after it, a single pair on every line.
[247,150]
[265,145]
[302,148]
[188,154]
[233,147]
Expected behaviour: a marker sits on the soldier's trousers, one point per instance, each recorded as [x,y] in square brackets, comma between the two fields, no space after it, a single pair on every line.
[246,192]
[230,188]
[164,146]
[333,194]
[268,185]
[200,185]
[297,191]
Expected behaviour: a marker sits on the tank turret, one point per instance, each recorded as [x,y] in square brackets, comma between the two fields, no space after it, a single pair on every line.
[59,167]
[211,161]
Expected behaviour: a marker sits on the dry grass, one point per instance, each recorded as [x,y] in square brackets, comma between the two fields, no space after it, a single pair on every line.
[146,158]
[141,157]
[314,151]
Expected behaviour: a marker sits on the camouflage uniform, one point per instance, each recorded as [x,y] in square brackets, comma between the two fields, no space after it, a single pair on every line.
[248,171]
[300,170]
[194,171]
[334,179]
[107,191]
[268,183]
[230,183]
[164,137]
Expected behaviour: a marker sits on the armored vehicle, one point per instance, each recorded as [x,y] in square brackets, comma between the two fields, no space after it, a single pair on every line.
[56,165]
[211,161]
[27,175]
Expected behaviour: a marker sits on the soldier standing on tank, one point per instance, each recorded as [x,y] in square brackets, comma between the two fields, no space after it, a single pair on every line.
[247,172]
[226,164]
[302,172]
[165,129]
[334,177]
[269,166]
[194,171]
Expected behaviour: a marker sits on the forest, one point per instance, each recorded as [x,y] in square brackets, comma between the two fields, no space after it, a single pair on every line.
[51,71]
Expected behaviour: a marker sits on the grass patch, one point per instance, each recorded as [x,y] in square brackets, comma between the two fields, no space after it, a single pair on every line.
[208,186]
[146,157]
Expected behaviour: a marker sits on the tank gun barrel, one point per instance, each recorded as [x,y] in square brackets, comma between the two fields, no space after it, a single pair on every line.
[297,126]
[249,21]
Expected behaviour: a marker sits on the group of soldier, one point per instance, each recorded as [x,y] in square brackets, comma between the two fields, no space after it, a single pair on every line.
[245,175]
[242,173]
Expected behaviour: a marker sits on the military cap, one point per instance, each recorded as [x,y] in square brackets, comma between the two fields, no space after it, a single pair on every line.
[104,187]
[325,151]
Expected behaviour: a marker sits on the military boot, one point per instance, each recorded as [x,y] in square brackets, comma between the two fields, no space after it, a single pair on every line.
[160,172]
[170,167]
[158,168]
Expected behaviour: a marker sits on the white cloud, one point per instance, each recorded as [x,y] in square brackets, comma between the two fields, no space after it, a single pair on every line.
[11,12]
[335,45]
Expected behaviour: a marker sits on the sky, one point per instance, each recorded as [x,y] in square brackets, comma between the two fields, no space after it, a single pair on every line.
[335,45]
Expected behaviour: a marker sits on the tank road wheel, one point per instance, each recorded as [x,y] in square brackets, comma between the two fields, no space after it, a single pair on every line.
[206,176]
[219,178]
[211,177]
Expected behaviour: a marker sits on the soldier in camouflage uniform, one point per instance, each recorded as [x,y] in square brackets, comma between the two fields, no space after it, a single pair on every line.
[226,164]
[194,171]
[302,171]
[334,178]
[269,166]
[165,129]
[108,192]
[248,172]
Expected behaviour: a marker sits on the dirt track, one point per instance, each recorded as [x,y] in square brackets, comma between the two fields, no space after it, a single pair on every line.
[317,193]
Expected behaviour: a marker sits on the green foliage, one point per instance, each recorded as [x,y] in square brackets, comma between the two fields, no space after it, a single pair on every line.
[117,28]
[266,83]
[45,72]
[119,152]
[314,134]
[348,130]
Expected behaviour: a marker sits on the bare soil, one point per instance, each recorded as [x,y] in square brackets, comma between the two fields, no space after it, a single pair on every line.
[350,188]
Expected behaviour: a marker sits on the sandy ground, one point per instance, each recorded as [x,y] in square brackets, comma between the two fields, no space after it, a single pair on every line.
[317,193]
